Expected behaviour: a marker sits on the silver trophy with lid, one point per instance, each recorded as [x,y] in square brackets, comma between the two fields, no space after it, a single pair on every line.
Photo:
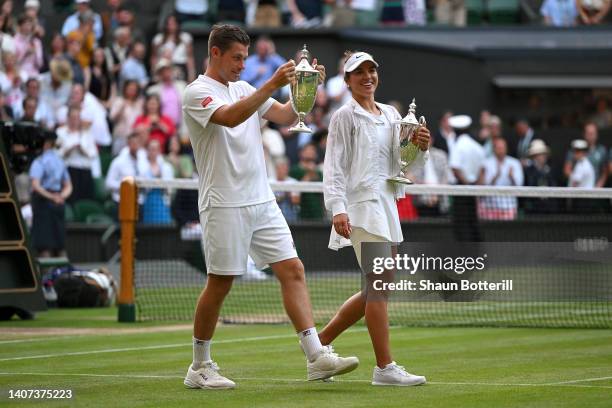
[409,150]
[304,91]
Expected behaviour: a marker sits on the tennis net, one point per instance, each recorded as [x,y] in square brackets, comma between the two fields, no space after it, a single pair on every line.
[552,243]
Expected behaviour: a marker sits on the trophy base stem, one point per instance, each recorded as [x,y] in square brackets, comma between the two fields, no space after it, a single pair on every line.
[300,128]
[399,180]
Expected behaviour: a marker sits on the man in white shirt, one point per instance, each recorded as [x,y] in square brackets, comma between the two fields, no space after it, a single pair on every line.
[129,162]
[238,210]
[466,161]
[500,170]
[72,21]
[582,173]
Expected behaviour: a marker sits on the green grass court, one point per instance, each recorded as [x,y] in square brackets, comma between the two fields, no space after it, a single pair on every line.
[106,364]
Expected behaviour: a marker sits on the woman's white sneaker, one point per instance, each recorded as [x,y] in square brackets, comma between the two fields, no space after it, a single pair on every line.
[328,364]
[394,374]
[207,377]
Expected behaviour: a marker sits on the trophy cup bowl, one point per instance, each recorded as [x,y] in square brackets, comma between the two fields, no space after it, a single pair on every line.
[304,91]
[408,150]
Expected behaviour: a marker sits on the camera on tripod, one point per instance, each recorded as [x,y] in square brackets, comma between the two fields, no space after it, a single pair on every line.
[23,141]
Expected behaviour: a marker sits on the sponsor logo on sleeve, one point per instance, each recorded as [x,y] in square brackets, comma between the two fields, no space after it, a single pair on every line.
[206,101]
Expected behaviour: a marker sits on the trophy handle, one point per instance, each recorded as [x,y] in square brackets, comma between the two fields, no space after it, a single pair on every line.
[422,121]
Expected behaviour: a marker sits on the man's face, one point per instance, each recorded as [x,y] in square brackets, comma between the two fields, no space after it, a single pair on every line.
[499,148]
[231,62]
[133,145]
[33,88]
[261,48]
[139,51]
[590,134]
[308,157]
[29,109]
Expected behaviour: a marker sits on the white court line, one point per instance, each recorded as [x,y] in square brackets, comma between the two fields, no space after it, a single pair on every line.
[585,380]
[160,346]
[296,380]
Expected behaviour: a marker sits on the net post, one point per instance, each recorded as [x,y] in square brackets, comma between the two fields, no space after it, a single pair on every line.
[128,216]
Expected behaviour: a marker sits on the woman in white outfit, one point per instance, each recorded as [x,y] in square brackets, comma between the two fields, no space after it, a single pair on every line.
[362,153]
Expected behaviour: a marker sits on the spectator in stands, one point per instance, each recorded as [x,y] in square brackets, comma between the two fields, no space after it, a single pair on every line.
[6,112]
[582,173]
[596,154]
[435,171]
[266,14]
[124,111]
[392,13]
[73,50]
[28,47]
[157,125]
[129,162]
[232,11]
[593,12]
[84,33]
[500,170]
[117,52]
[156,207]
[7,21]
[73,22]
[414,12]
[274,147]
[133,67]
[445,137]
[51,187]
[179,159]
[57,47]
[559,13]
[450,12]
[11,78]
[538,173]
[336,89]
[92,112]
[28,110]
[176,46]
[311,207]
[466,160]
[493,132]
[169,90]
[260,67]
[31,9]
[110,18]
[288,202]
[525,136]
[43,113]
[101,81]
[603,115]
[189,10]
[127,19]
[305,13]
[55,85]
[76,146]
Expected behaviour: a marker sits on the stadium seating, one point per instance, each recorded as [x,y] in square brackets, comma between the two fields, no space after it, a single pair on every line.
[503,11]
[84,208]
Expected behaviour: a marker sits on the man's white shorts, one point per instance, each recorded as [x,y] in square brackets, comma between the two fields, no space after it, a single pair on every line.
[230,234]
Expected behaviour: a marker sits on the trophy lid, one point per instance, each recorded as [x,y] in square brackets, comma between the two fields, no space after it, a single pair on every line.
[304,61]
[410,118]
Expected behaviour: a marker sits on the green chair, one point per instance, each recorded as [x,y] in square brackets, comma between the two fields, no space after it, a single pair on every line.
[85,207]
[474,11]
[99,219]
[110,208]
[503,11]
[68,213]
[100,191]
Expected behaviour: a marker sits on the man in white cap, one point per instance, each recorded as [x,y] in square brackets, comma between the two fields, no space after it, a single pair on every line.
[72,22]
[582,173]
[466,161]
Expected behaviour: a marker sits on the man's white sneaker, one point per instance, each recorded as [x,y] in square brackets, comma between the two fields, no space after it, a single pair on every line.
[328,364]
[394,374]
[207,376]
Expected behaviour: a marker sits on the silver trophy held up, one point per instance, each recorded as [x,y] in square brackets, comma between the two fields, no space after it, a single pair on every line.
[408,150]
[304,91]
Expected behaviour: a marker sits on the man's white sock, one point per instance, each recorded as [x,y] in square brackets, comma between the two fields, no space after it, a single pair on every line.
[201,352]
[309,339]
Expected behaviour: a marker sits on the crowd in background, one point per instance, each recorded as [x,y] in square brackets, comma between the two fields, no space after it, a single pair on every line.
[113,98]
